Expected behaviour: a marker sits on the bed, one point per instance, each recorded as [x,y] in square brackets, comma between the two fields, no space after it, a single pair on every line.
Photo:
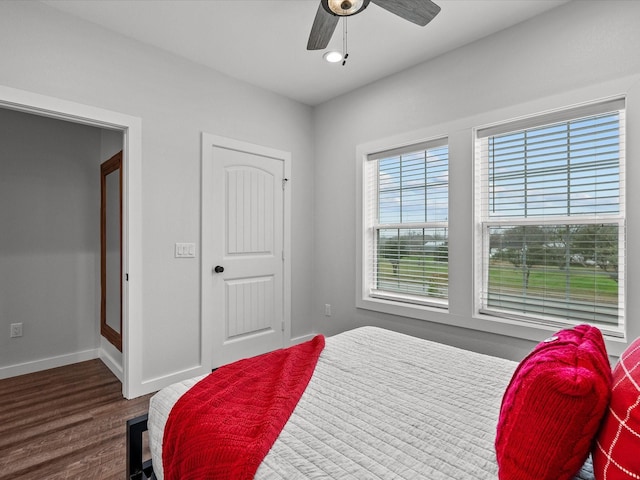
[380,405]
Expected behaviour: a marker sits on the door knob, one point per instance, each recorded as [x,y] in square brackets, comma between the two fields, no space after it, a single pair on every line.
[218,269]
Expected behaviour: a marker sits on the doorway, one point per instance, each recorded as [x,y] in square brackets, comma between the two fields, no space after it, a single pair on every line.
[28,102]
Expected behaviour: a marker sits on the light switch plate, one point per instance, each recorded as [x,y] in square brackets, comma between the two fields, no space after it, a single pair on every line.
[185,250]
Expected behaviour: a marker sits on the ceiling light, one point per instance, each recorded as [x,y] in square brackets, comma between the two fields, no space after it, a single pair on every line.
[344,8]
[332,57]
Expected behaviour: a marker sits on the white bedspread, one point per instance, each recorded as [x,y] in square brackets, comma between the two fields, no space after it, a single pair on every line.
[382,405]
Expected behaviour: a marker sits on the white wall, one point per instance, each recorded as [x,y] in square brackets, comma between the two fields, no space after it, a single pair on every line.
[563,57]
[50,53]
[560,57]
[49,240]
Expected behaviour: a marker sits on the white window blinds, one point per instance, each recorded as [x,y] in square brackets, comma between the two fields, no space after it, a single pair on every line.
[552,216]
[407,223]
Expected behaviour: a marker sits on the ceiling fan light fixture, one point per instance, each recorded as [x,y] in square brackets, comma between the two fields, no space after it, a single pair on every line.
[344,8]
[332,57]
[419,12]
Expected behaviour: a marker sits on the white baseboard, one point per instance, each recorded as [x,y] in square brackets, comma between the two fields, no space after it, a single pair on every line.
[155,384]
[109,356]
[112,365]
[47,363]
[301,339]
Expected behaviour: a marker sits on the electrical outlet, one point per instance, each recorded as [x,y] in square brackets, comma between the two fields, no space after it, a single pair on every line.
[327,310]
[16,330]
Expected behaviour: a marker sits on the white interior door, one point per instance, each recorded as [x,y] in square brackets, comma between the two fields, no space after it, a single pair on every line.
[244,254]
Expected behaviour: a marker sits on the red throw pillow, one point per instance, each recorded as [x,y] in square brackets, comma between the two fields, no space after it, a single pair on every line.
[616,455]
[553,406]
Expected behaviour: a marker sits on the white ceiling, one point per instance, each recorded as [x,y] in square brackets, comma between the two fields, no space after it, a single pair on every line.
[263,42]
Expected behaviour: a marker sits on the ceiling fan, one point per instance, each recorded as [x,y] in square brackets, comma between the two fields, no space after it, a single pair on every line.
[329,12]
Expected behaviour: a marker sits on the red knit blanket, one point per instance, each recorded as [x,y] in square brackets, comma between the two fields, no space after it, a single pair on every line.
[223,427]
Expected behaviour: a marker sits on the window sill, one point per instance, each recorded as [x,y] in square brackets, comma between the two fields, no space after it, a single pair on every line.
[529,330]
[482,322]
[420,310]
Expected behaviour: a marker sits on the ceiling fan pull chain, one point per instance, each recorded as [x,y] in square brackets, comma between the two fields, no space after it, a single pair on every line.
[344,40]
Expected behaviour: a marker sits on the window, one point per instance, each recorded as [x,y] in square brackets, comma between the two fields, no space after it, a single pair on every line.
[406,215]
[551,212]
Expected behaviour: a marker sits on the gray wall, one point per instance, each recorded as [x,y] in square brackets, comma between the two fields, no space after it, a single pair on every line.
[53,54]
[563,57]
[556,59]
[50,237]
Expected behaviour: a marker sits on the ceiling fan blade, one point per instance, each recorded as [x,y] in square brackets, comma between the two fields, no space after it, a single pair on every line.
[323,27]
[419,12]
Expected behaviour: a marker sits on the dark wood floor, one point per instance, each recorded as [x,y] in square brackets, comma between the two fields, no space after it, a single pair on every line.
[65,423]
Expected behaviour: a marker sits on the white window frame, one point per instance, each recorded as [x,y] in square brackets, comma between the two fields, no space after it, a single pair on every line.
[368,297]
[483,221]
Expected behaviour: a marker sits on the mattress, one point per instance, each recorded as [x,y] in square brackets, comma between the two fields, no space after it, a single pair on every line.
[382,405]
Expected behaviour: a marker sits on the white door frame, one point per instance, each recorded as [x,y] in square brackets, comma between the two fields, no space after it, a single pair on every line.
[131,128]
[207,310]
